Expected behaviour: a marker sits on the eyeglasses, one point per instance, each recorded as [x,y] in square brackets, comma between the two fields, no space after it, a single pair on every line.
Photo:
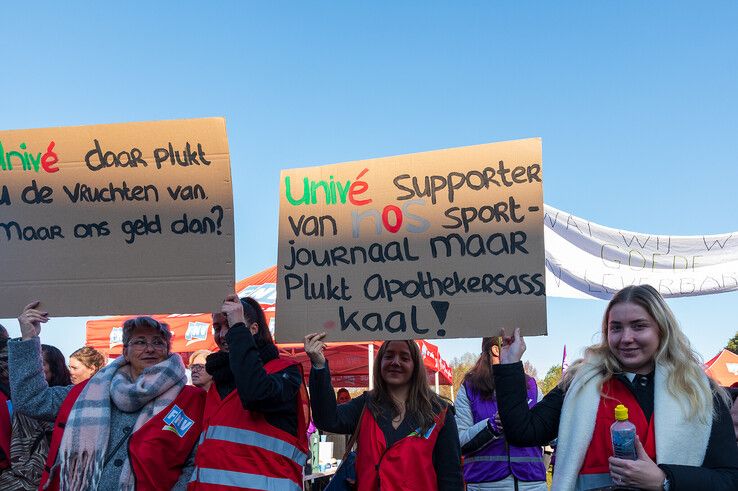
[142,344]
[197,367]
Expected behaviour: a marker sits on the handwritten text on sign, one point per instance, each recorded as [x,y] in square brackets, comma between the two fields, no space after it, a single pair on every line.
[437,244]
[110,219]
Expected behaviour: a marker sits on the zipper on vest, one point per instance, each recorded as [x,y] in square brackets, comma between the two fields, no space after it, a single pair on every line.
[376,466]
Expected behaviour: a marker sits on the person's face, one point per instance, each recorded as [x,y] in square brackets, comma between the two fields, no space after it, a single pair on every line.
[47,371]
[78,371]
[200,376]
[220,328]
[396,366]
[343,397]
[146,348]
[633,337]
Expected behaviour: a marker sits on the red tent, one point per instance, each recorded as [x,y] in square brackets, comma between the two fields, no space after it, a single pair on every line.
[723,368]
[349,361]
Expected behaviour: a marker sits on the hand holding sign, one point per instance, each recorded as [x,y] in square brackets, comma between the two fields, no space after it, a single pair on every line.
[233,310]
[314,347]
[30,320]
[512,348]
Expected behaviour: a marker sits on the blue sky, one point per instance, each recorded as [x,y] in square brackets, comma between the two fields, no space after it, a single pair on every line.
[636,104]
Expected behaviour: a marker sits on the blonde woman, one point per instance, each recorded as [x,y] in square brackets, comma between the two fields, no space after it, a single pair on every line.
[84,363]
[684,432]
[200,377]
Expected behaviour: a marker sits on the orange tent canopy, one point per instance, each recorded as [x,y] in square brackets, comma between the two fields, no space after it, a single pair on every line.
[723,368]
[191,332]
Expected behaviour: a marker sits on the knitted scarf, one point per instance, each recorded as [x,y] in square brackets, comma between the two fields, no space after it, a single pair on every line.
[85,443]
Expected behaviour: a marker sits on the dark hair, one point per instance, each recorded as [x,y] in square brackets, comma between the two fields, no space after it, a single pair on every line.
[480,376]
[253,312]
[57,365]
[342,390]
[131,325]
[422,403]
[4,336]
[89,357]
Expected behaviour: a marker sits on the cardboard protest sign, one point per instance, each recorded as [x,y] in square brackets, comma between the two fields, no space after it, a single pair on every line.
[116,219]
[442,244]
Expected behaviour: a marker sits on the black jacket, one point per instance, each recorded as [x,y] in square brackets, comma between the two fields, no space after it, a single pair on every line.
[540,425]
[242,369]
[343,418]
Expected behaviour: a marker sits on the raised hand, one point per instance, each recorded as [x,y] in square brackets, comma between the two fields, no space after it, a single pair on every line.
[314,347]
[233,310]
[31,319]
[512,348]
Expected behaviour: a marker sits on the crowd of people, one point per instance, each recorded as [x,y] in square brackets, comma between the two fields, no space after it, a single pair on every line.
[241,421]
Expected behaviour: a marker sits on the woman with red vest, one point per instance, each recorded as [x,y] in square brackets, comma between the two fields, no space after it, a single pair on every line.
[490,462]
[407,434]
[256,415]
[134,425]
[684,434]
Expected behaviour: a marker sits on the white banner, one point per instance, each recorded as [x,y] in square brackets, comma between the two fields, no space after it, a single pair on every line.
[587,260]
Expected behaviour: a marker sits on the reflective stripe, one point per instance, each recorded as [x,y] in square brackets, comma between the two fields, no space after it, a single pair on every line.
[501,458]
[245,480]
[256,439]
[591,481]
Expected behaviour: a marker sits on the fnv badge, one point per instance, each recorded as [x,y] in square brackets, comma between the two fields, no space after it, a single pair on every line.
[177,421]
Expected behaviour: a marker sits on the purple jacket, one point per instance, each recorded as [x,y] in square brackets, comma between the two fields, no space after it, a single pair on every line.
[498,460]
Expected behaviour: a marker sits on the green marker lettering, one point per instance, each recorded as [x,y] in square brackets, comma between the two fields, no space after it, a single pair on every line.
[305,194]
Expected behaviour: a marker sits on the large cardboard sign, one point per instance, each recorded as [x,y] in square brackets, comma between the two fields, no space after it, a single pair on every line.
[442,244]
[116,219]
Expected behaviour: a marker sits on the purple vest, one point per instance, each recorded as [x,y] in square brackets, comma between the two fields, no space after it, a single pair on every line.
[496,461]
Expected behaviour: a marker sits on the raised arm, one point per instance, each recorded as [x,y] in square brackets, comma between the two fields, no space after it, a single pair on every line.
[523,426]
[258,390]
[31,395]
[327,415]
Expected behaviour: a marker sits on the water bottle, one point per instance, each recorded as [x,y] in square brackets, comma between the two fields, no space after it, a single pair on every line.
[314,446]
[623,434]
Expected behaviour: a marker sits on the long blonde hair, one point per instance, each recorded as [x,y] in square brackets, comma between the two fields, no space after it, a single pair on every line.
[686,380]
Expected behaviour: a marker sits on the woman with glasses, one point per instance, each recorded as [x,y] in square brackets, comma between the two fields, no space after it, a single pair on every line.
[134,425]
[200,377]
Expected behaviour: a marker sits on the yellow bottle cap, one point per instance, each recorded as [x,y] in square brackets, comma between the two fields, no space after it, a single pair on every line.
[621,412]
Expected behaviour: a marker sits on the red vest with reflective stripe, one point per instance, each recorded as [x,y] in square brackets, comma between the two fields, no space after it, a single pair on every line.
[600,449]
[407,464]
[156,451]
[5,427]
[240,449]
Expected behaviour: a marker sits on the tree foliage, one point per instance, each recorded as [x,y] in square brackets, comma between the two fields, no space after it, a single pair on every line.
[733,344]
[551,380]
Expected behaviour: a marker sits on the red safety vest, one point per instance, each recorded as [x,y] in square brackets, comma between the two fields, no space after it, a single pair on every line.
[157,451]
[5,427]
[239,449]
[407,464]
[600,448]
